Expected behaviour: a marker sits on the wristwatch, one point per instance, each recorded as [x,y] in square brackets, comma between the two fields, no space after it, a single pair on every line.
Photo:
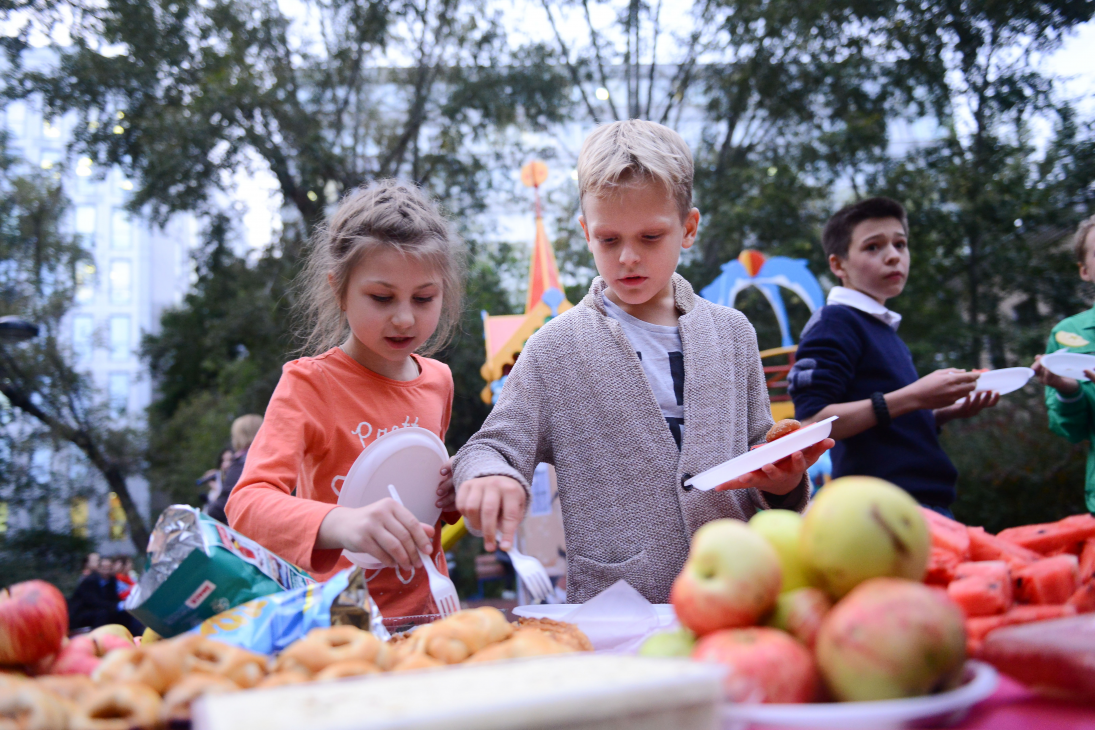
[881,410]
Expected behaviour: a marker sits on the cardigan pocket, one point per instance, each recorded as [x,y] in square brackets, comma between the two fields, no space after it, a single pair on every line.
[606,574]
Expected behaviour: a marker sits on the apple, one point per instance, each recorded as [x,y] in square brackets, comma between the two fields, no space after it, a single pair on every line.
[891,638]
[731,578]
[764,665]
[800,613]
[78,656]
[116,630]
[678,643]
[781,528]
[149,637]
[33,622]
[859,528]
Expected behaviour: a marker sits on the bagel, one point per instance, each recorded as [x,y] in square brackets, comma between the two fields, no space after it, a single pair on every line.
[323,647]
[72,687]
[207,656]
[281,679]
[158,666]
[119,706]
[177,701]
[782,428]
[348,668]
[23,706]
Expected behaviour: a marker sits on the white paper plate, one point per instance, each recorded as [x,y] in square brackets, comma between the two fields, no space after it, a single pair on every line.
[1004,380]
[559,611]
[766,454]
[411,459]
[932,711]
[1069,364]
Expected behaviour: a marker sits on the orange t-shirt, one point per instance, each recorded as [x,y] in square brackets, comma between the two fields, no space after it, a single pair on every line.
[324,412]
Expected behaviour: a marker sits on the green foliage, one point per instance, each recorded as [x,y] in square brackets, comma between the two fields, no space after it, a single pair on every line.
[50,556]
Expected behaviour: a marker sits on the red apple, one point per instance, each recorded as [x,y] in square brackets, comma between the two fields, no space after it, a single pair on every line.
[33,622]
[78,656]
[731,579]
[765,665]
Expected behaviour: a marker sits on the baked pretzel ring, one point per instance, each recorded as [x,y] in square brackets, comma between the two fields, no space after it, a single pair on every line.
[177,701]
[348,668]
[72,687]
[282,679]
[121,706]
[416,660]
[23,706]
[157,666]
[207,656]
[323,647]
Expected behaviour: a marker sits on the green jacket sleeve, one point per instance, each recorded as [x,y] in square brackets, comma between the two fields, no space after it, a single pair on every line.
[1070,417]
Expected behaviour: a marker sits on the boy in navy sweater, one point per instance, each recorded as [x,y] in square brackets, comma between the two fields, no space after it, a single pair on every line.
[851,363]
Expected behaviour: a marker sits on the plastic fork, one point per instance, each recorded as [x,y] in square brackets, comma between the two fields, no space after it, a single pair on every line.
[532,574]
[443,590]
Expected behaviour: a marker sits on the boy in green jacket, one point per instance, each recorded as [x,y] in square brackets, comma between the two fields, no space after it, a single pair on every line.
[1071,403]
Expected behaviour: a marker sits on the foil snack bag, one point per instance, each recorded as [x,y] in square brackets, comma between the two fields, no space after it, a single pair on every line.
[198,568]
[267,625]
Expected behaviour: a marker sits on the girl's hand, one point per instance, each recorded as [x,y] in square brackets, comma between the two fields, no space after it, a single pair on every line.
[782,476]
[386,530]
[1065,386]
[446,491]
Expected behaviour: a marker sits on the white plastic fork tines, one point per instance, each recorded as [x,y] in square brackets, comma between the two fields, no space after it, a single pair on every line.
[443,590]
[532,574]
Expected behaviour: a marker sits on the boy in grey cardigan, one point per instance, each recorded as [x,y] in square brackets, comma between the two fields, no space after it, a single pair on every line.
[628,394]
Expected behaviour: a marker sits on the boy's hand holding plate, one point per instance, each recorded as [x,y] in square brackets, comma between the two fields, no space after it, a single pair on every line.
[782,476]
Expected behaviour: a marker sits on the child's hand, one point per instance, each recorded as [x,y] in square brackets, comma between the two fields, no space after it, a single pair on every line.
[1065,386]
[938,390]
[968,407]
[782,476]
[446,492]
[491,505]
[386,530]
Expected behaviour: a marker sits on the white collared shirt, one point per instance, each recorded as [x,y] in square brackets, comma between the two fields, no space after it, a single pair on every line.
[862,302]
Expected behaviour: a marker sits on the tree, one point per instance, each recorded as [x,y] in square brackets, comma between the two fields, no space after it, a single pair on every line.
[38,281]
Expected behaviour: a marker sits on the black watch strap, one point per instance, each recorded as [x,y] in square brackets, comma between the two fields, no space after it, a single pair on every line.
[881,410]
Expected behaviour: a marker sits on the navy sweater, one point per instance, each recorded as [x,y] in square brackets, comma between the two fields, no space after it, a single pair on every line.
[845,356]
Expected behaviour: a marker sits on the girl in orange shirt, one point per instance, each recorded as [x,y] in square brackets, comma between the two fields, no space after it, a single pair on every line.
[382,282]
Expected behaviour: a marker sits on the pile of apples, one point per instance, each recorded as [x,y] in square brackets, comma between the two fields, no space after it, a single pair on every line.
[830,606]
[34,631]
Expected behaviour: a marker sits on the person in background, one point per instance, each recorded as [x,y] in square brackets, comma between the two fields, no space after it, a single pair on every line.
[91,564]
[125,575]
[244,430]
[95,601]
[215,479]
[1071,403]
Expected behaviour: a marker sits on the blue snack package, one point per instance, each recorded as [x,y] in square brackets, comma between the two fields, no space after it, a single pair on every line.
[269,624]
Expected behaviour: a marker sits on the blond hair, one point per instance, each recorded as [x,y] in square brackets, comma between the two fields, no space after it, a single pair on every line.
[244,430]
[386,214]
[636,151]
[1080,239]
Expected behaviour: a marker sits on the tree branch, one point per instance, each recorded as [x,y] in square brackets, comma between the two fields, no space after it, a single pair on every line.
[571,68]
[595,41]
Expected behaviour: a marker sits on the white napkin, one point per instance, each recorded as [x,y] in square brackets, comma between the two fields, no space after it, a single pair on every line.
[617,620]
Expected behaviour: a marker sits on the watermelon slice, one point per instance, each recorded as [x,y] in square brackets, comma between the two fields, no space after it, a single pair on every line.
[947,534]
[1047,581]
[1087,561]
[941,565]
[1052,537]
[978,628]
[1055,658]
[979,595]
[986,568]
[984,546]
[1083,600]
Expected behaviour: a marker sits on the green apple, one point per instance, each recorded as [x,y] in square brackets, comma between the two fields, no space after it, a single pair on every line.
[781,528]
[859,528]
[677,643]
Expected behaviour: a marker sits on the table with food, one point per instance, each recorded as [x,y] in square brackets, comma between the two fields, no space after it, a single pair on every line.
[867,611]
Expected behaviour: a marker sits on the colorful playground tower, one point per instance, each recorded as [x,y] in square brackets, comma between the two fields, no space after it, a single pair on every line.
[505,335]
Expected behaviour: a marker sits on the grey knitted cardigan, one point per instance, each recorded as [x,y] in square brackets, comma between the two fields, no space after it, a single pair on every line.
[578,398]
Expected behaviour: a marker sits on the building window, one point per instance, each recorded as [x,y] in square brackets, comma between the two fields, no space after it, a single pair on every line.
[85,282]
[116,516]
[85,222]
[17,117]
[118,393]
[121,232]
[83,334]
[119,337]
[77,516]
[121,282]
